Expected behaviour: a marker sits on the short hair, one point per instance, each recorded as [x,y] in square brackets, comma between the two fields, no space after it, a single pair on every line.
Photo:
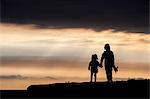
[107,47]
[94,56]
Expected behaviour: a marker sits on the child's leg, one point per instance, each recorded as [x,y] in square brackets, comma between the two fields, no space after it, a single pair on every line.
[91,76]
[107,74]
[110,76]
[95,76]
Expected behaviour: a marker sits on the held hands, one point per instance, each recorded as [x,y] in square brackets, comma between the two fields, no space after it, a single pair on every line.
[100,65]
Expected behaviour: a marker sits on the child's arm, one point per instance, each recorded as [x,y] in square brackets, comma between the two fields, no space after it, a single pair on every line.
[101,61]
[113,59]
[113,62]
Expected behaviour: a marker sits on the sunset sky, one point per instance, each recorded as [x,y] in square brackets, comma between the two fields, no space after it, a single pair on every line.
[48,41]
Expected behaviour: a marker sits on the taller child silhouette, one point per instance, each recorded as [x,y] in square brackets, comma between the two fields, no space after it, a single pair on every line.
[109,62]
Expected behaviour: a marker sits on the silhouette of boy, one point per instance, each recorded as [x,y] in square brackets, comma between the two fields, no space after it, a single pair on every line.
[93,66]
[109,62]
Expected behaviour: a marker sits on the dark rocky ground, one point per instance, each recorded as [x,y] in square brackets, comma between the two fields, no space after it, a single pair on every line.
[118,89]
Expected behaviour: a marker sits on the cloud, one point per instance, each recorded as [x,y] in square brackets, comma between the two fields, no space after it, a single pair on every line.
[145,41]
[127,15]
[48,77]
[70,44]
[125,79]
[13,77]
[58,63]
[20,77]
[43,62]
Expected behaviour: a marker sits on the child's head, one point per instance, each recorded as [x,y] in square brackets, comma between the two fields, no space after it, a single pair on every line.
[107,47]
[94,57]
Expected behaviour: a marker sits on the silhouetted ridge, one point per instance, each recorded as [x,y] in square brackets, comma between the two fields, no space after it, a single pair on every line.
[130,88]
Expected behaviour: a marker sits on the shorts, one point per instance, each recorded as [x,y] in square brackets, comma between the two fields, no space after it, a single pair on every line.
[94,70]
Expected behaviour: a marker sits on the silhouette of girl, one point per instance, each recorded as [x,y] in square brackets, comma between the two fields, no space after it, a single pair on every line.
[93,66]
[109,62]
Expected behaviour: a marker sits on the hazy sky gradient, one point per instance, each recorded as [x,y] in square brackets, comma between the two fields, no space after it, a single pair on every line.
[39,55]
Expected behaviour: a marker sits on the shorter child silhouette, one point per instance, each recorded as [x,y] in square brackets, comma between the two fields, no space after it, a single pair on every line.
[93,66]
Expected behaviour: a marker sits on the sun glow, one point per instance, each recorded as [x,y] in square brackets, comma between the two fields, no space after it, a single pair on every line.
[65,53]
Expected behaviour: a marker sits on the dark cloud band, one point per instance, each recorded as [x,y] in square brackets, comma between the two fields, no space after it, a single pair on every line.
[121,15]
[20,77]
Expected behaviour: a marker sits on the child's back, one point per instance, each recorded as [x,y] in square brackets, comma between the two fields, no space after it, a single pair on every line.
[94,64]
